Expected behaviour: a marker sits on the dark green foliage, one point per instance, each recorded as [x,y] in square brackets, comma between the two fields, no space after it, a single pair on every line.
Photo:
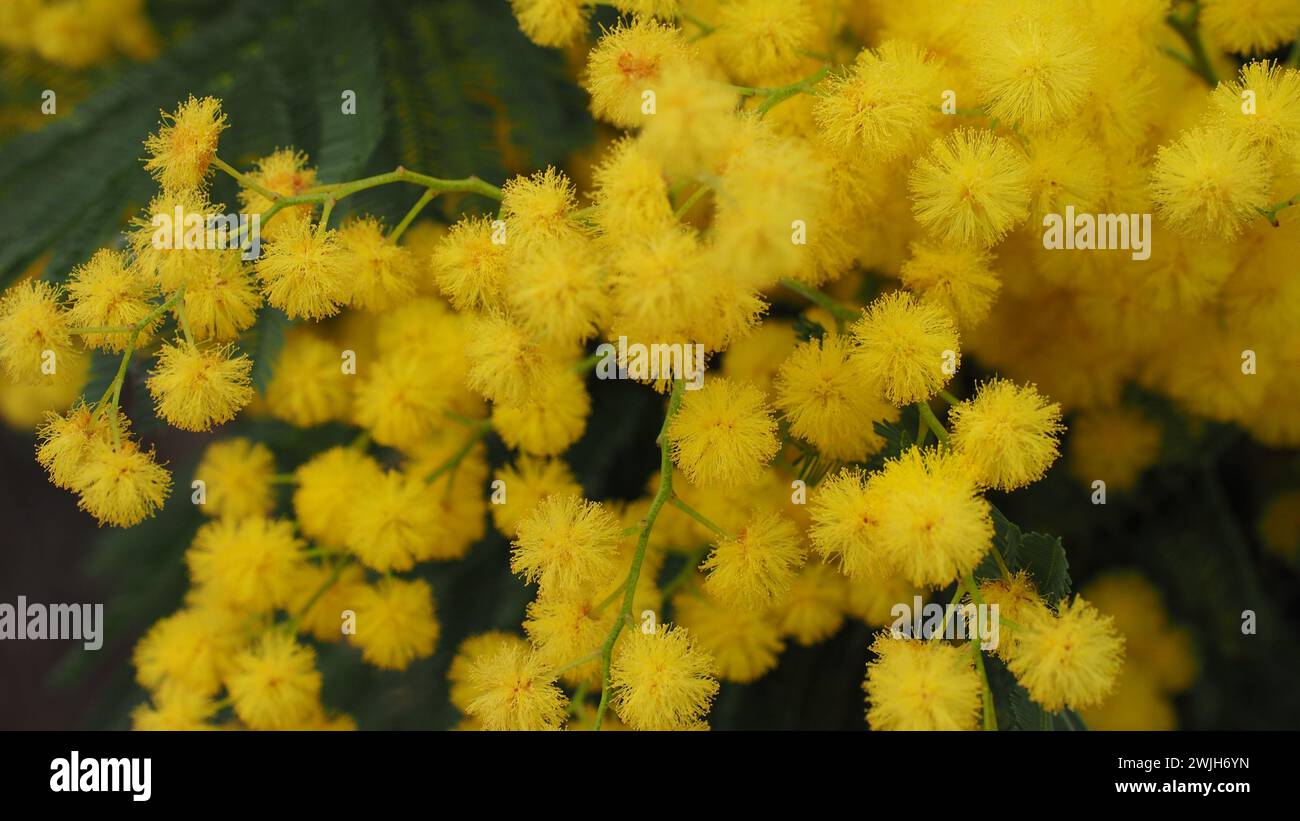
[1040,555]
[1016,710]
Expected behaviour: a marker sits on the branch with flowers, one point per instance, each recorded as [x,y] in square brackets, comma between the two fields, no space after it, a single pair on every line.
[791,492]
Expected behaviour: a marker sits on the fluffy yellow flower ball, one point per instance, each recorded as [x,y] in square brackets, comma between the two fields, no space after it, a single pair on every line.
[32,324]
[525,484]
[813,609]
[914,684]
[109,292]
[551,22]
[120,484]
[379,273]
[221,299]
[64,442]
[831,400]
[284,172]
[197,387]
[757,566]
[174,708]
[971,188]
[1071,659]
[843,516]
[1210,183]
[566,544]
[1008,432]
[462,691]
[626,63]
[301,271]
[326,487]
[930,521]
[181,153]
[237,474]
[247,564]
[274,685]
[662,680]
[308,386]
[514,690]
[469,265]
[723,434]
[191,649]
[392,524]
[396,623]
[884,104]
[911,347]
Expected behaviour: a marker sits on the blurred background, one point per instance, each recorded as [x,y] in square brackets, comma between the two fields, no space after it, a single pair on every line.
[452,88]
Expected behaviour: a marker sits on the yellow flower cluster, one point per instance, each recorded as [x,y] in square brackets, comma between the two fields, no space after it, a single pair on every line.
[905,157]
[78,33]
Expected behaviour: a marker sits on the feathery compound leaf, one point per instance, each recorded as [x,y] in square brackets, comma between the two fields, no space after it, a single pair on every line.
[347,59]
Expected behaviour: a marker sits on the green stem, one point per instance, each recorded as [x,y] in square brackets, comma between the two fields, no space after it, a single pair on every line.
[933,421]
[949,398]
[460,418]
[1189,30]
[244,180]
[325,213]
[613,594]
[323,193]
[115,387]
[577,663]
[185,322]
[695,197]
[1271,212]
[676,501]
[950,609]
[479,430]
[795,87]
[698,23]
[320,552]
[578,703]
[588,362]
[401,227]
[1002,564]
[661,497]
[990,714]
[781,96]
[1175,54]
[339,566]
[841,313]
